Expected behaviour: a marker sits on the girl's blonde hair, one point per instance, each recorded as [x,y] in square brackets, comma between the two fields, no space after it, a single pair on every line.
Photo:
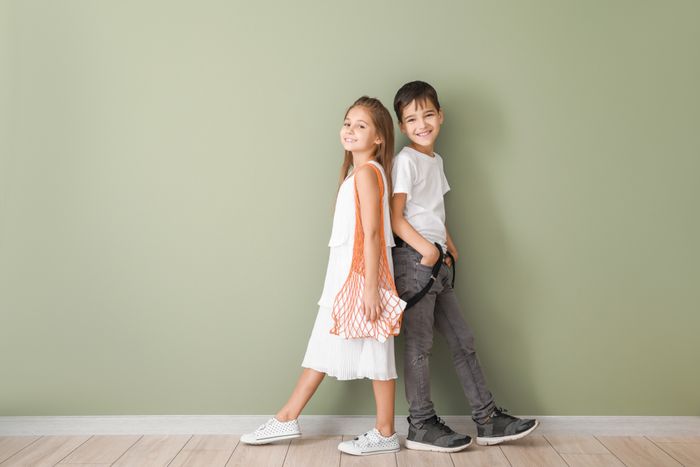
[381,118]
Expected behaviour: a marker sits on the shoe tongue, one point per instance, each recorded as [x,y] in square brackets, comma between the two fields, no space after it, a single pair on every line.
[431,421]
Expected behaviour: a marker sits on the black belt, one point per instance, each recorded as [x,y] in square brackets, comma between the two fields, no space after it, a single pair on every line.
[433,274]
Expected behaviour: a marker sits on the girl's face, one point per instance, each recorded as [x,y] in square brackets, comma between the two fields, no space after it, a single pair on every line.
[358,134]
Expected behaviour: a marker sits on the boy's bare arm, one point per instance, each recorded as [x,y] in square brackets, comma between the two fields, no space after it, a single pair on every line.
[408,234]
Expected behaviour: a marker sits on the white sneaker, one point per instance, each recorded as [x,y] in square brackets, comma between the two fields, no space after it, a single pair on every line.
[371,442]
[272,430]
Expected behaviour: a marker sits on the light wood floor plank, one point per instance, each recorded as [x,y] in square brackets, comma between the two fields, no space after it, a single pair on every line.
[592,460]
[532,451]
[152,451]
[206,451]
[409,458]
[10,445]
[687,454]
[675,439]
[480,456]
[313,450]
[100,450]
[378,460]
[88,465]
[321,451]
[269,455]
[46,451]
[586,444]
[637,451]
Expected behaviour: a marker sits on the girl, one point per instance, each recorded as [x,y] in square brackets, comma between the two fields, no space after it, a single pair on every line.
[367,135]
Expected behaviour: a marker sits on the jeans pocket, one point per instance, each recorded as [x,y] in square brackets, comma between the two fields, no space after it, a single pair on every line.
[422,275]
[402,272]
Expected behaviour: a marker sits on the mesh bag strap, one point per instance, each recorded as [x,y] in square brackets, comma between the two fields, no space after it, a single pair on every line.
[348,319]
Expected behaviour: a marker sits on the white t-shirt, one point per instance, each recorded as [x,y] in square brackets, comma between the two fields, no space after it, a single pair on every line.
[423,180]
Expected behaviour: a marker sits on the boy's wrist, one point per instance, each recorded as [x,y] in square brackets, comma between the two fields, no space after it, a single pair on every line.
[430,253]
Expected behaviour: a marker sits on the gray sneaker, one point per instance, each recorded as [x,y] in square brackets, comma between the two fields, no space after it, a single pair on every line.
[434,435]
[500,427]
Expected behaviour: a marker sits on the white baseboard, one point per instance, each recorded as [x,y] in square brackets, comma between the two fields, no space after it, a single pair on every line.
[327,425]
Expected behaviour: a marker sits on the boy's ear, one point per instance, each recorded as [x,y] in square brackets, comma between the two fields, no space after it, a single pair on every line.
[402,128]
[441,114]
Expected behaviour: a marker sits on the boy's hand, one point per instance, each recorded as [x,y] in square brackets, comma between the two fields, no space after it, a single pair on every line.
[451,249]
[430,257]
[371,305]
[454,254]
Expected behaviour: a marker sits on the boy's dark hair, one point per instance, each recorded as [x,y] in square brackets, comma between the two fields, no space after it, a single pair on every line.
[418,91]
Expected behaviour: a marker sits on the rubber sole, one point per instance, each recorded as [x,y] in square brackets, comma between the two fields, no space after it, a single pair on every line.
[490,441]
[258,442]
[416,446]
[385,451]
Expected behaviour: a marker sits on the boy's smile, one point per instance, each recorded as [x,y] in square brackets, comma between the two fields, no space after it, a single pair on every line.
[421,123]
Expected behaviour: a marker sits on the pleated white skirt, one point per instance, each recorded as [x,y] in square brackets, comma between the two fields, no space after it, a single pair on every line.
[337,356]
[347,358]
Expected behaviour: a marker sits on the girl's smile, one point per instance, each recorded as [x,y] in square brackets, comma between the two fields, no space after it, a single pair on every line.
[357,133]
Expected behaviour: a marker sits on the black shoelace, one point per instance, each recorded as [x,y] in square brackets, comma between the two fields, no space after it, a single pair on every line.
[502,412]
[441,424]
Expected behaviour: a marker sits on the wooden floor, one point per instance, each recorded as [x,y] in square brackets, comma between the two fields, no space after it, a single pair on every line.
[321,451]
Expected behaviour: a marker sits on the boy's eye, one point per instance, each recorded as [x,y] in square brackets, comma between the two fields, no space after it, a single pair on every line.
[410,120]
[346,124]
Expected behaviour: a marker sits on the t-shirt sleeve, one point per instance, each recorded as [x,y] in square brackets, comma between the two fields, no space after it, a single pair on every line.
[443,180]
[403,175]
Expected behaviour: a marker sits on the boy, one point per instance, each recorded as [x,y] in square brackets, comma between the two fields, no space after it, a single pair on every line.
[418,221]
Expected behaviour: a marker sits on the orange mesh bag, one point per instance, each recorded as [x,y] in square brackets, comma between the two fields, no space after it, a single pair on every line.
[348,317]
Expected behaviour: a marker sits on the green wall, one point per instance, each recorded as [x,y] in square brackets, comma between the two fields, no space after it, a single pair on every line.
[168,172]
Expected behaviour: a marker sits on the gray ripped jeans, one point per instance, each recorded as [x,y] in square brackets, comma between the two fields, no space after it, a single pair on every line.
[438,309]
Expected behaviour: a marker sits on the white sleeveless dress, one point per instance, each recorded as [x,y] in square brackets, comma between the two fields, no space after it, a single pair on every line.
[334,355]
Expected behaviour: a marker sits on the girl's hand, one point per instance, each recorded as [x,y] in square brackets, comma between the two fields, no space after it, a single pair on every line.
[371,305]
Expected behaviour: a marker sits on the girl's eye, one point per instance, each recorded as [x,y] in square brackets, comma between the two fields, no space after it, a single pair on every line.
[362,126]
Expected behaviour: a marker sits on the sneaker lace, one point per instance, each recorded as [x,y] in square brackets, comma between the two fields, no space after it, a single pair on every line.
[501,411]
[357,438]
[268,423]
[365,438]
[440,423]
[265,425]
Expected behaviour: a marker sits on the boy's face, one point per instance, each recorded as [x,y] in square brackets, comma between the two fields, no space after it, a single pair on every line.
[421,121]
